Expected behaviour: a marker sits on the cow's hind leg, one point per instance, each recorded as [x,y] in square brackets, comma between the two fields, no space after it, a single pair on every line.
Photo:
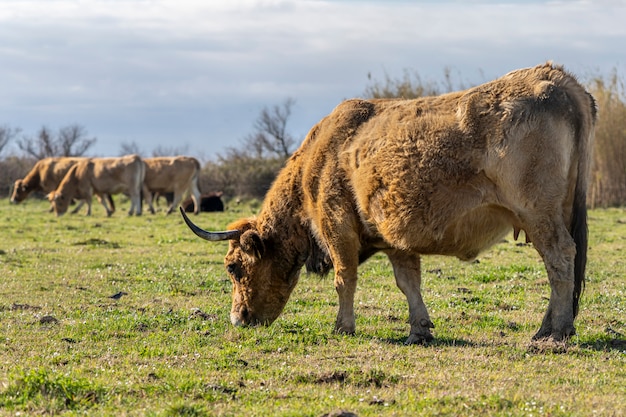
[149,198]
[558,250]
[406,268]
[135,204]
[195,196]
[178,196]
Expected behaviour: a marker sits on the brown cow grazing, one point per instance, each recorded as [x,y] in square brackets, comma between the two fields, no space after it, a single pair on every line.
[45,176]
[101,176]
[177,174]
[444,175]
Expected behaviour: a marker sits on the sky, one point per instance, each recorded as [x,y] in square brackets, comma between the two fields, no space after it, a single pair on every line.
[194,75]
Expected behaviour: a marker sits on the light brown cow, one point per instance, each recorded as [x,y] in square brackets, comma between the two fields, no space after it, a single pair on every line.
[101,176]
[45,176]
[444,175]
[172,174]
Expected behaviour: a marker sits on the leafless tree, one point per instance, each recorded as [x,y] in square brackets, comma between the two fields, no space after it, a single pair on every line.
[250,169]
[130,148]
[71,141]
[40,146]
[6,134]
[271,136]
[170,151]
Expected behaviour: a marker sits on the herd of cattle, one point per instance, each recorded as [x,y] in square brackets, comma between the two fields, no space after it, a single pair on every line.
[448,175]
[67,179]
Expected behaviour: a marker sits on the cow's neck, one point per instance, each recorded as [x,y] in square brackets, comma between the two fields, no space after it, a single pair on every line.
[281,218]
[32,182]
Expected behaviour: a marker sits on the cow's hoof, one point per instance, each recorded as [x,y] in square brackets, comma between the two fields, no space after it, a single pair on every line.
[419,339]
[556,336]
[349,332]
[342,328]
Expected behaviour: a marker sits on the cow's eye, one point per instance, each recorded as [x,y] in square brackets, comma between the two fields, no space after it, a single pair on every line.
[234,271]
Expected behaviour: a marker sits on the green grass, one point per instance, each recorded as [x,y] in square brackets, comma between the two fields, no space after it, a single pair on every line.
[167,348]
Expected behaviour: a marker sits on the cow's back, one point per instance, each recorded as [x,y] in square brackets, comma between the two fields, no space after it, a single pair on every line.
[47,173]
[56,170]
[442,174]
[115,175]
[164,174]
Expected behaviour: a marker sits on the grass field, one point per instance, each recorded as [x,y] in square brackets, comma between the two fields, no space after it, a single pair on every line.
[167,348]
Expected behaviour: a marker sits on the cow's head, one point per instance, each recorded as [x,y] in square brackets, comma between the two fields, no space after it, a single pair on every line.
[20,191]
[59,202]
[263,272]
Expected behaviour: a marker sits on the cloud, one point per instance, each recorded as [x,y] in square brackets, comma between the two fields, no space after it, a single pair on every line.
[150,71]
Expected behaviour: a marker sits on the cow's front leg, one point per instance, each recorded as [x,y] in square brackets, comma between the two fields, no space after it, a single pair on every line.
[88,202]
[345,284]
[406,269]
[343,247]
[103,199]
[79,205]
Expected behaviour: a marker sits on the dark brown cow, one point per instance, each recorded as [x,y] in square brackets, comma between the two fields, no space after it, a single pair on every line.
[446,175]
[101,176]
[176,174]
[208,203]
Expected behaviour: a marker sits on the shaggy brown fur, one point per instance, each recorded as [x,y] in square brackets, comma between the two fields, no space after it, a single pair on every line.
[444,175]
[177,174]
[101,176]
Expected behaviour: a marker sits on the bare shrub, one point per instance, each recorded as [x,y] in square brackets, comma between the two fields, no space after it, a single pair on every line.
[249,170]
[11,169]
[608,185]
[71,140]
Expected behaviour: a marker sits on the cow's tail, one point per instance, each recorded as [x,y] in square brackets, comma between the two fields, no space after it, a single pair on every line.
[586,109]
[139,183]
[195,189]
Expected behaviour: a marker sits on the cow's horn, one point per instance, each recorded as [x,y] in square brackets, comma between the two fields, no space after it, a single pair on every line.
[212,236]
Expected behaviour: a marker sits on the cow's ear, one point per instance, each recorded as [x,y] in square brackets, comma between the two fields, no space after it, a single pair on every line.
[252,244]
[51,195]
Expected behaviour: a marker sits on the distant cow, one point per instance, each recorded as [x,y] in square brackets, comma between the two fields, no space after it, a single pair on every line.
[101,176]
[175,174]
[447,175]
[45,177]
[208,202]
